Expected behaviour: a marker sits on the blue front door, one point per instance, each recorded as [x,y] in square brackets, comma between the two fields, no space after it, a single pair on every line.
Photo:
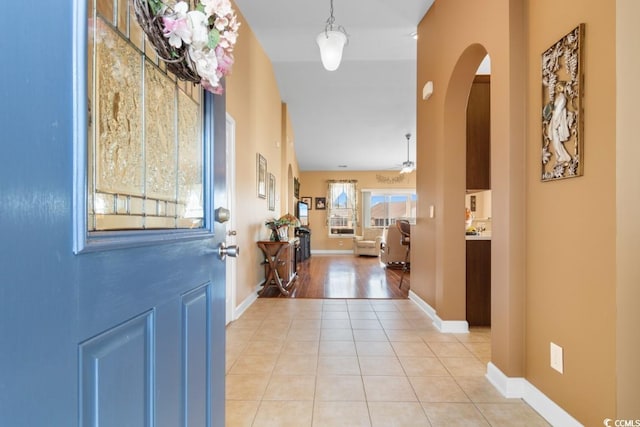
[125,334]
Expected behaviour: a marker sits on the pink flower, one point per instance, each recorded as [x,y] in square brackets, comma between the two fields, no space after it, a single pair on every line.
[225,61]
[177,31]
[197,23]
[176,27]
[216,90]
[218,7]
[228,39]
[206,63]
[221,23]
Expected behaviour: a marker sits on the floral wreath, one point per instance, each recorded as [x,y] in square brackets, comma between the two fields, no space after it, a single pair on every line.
[197,45]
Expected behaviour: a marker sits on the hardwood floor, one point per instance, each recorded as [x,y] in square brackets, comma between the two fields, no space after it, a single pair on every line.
[345,276]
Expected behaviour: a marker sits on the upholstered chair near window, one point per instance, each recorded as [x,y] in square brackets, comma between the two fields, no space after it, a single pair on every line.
[393,253]
[369,243]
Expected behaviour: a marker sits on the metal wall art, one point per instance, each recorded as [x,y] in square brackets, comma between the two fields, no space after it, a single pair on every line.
[562,113]
[390,180]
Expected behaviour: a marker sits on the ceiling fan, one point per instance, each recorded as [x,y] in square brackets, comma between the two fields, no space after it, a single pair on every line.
[408,166]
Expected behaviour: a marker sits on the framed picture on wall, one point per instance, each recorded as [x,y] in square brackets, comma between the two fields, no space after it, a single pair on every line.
[272,192]
[321,203]
[296,188]
[261,173]
[306,200]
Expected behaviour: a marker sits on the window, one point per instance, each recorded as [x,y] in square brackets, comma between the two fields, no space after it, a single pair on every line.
[342,208]
[381,208]
[146,132]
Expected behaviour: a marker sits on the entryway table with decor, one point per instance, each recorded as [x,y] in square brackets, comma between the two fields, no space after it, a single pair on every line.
[280,264]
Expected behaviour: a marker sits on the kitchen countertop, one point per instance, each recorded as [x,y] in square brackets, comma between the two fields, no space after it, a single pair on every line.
[481,236]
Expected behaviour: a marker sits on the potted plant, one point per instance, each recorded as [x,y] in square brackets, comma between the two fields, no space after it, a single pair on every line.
[280,227]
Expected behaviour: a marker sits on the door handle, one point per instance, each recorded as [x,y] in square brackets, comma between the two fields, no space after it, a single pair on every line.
[232,233]
[222,215]
[223,251]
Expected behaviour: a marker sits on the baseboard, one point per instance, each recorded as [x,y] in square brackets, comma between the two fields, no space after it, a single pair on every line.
[507,386]
[331,252]
[244,305]
[444,326]
[520,388]
[422,304]
[451,326]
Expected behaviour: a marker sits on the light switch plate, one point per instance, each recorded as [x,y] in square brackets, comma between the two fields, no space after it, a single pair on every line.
[557,362]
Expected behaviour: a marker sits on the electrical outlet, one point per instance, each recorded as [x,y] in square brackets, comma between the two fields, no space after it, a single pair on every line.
[556,358]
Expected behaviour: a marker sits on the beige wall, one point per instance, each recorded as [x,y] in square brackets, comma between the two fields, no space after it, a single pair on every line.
[262,126]
[569,268]
[314,184]
[471,30]
[571,240]
[628,206]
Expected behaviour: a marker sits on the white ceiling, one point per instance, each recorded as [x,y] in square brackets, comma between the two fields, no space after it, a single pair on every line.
[359,114]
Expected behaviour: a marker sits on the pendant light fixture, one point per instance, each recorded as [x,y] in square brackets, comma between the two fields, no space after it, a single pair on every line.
[408,166]
[331,42]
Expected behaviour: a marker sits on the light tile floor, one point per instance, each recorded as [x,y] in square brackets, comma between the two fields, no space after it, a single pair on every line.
[304,362]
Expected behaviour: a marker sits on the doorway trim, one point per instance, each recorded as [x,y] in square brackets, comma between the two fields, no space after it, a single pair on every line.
[232,264]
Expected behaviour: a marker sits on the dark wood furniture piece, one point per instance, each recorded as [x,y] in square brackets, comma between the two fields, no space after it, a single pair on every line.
[479,134]
[279,264]
[479,282]
[304,252]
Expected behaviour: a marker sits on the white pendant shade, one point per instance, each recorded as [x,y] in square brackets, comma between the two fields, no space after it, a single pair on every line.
[407,167]
[331,44]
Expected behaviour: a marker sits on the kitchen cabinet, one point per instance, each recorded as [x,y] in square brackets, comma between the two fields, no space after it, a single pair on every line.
[478,282]
[478,134]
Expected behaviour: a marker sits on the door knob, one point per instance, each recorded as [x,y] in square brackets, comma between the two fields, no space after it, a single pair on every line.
[223,251]
[232,233]
[222,215]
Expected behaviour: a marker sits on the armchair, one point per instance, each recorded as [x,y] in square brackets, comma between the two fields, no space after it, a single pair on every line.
[393,253]
[369,243]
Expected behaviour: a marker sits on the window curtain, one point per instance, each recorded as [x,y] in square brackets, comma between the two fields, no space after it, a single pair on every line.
[342,201]
[366,209]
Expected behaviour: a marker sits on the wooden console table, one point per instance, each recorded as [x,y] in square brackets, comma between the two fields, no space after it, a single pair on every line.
[280,264]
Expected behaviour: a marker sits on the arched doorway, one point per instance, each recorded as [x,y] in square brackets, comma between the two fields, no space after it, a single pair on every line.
[507,254]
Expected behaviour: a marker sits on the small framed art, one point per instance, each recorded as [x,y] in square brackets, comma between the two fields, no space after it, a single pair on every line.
[306,200]
[272,192]
[321,203]
[261,173]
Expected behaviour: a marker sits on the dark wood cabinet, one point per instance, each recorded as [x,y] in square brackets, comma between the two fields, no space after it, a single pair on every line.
[479,134]
[479,282]
[304,251]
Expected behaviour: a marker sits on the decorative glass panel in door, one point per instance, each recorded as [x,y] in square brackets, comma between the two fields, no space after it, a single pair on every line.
[145,138]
